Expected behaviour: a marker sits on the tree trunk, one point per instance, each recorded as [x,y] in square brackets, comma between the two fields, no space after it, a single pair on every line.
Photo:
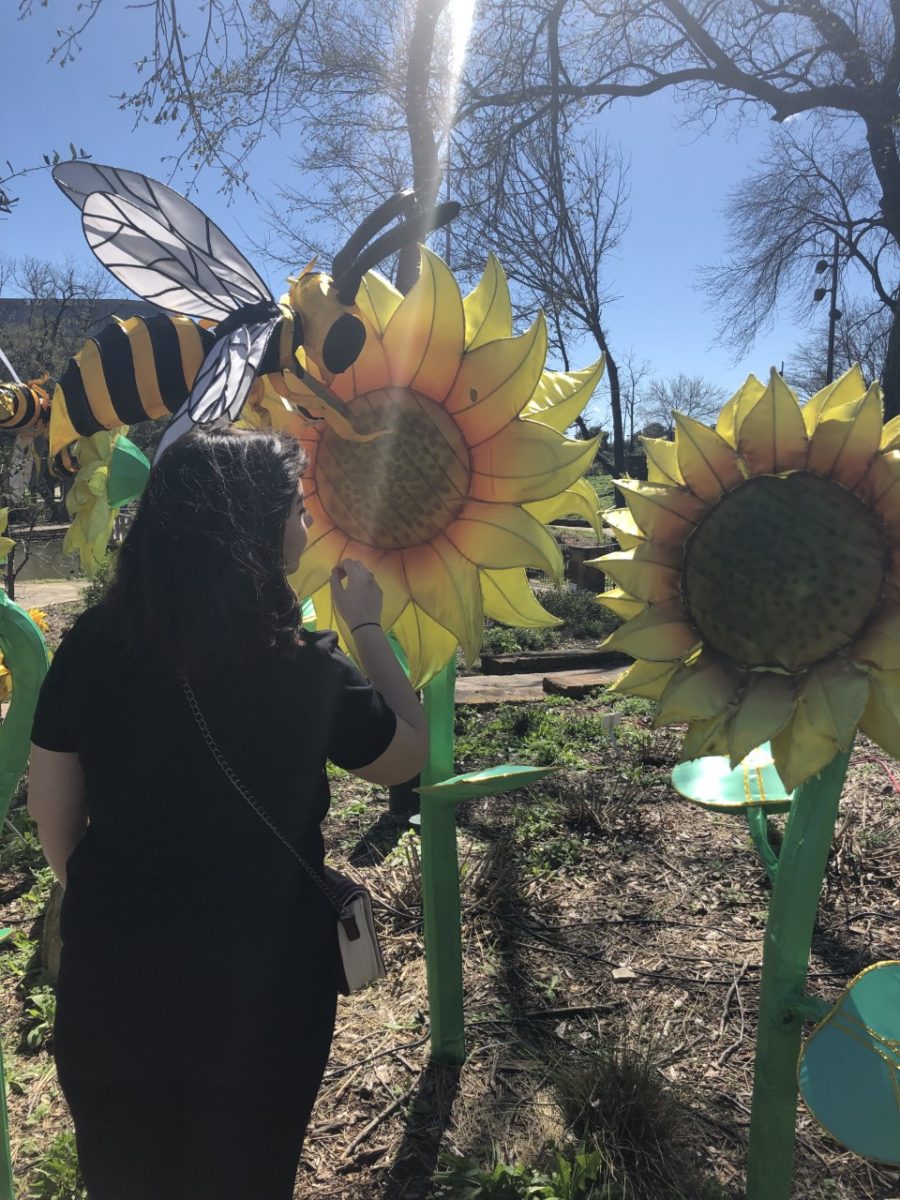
[423,146]
[890,375]
[615,403]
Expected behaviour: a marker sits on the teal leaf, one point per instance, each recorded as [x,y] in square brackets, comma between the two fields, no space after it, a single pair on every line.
[754,783]
[491,781]
[850,1067]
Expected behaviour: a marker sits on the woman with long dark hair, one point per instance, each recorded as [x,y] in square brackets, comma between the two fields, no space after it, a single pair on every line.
[198,981]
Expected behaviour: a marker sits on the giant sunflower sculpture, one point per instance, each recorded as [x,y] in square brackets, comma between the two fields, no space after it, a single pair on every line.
[760,575]
[447,506]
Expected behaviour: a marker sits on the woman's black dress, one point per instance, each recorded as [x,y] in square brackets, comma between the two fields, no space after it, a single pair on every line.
[198,958]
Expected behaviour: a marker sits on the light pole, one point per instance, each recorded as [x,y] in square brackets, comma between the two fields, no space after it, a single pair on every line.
[834,314]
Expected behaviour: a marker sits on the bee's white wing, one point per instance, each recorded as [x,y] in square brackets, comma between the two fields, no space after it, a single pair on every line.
[135,207]
[222,382]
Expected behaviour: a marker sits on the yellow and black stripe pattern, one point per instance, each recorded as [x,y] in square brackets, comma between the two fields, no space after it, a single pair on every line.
[134,370]
[24,407]
[138,370]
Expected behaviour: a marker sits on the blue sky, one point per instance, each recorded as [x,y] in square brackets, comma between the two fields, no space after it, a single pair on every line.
[678,180]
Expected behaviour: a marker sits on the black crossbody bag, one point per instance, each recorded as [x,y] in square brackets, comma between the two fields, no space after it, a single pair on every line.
[361,959]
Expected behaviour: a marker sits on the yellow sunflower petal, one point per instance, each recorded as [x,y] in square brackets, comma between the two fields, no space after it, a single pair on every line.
[377,300]
[890,435]
[881,717]
[619,602]
[501,536]
[445,585]
[829,706]
[706,738]
[496,382]
[880,487]
[732,416]
[625,528]
[772,436]
[697,692]
[647,679]
[527,461]
[657,634]
[508,597]
[487,309]
[325,614]
[851,386]
[428,646]
[424,338]
[561,396]
[666,514]
[662,461]
[317,561]
[880,643]
[764,709]
[579,500]
[707,463]
[846,439]
[648,572]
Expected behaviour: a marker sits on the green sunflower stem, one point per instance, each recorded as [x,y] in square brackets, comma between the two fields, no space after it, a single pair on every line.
[758,823]
[440,878]
[789,928]
[6,1175]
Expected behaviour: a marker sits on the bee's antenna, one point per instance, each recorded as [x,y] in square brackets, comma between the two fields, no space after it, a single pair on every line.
[347,283]
[400,204]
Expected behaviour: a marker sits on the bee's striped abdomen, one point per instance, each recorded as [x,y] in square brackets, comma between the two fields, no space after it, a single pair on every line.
[133,371]
[22,407]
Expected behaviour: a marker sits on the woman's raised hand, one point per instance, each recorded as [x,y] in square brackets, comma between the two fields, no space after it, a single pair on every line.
[355,593]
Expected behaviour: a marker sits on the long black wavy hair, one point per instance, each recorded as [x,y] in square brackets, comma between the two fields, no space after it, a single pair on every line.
[200,575]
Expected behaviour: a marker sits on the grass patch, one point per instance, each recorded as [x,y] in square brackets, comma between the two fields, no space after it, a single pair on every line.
[603,486]
[554,733]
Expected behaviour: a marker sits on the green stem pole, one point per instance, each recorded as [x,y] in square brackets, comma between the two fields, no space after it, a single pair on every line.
[6,1175]
[789,928]
[758,824]
[440,878]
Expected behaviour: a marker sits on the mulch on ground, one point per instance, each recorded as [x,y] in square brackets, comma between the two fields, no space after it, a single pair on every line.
[600,911]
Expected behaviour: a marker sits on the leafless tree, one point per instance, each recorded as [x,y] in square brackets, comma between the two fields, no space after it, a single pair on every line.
[366,90]
[632,373]
[62,306]
[807,192]
[555,207]
[691,395]
[836,59]
[861,337]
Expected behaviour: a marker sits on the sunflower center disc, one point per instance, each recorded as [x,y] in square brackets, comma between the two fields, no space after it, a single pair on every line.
[784,571]
[403,487]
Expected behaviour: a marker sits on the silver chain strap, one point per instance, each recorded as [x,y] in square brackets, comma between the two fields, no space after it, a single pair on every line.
[239,787]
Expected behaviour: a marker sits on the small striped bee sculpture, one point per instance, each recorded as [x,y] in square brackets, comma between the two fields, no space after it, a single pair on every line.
[25,407]
[167,251]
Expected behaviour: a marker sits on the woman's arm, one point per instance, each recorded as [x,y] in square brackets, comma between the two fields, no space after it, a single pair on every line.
[357,597]
[56,801]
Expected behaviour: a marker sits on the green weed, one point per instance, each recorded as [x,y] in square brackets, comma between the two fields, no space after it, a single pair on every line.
[581,611]
[576,1178]
[56,1176]
[40,1011]
[97,588]
[546,734]
[616,1101]
[507,639]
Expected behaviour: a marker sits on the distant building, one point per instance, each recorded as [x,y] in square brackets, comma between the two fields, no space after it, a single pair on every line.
[16,311]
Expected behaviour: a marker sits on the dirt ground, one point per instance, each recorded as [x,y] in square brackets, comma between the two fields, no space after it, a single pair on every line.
[606,923]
